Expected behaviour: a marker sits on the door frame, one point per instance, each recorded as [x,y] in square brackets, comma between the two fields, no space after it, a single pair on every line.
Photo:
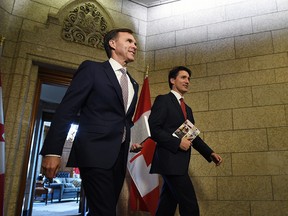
[46,75]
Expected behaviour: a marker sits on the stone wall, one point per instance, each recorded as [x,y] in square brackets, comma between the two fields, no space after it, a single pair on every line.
[237,50]
[33,37]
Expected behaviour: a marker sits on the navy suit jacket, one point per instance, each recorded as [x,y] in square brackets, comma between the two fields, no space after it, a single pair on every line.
[166,116]
[96,93]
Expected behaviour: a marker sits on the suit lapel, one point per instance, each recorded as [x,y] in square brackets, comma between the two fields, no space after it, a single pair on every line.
[112,77]
[134,99]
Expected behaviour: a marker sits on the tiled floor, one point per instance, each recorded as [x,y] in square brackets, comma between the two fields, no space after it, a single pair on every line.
[63,208]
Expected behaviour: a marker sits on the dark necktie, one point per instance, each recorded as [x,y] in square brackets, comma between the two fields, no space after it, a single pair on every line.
[183,107]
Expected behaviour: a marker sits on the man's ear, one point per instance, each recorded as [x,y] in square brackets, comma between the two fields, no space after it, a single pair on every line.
[112,44]
[172,80]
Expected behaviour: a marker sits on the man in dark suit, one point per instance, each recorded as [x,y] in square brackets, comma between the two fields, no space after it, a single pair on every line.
[172,155]
[106,108]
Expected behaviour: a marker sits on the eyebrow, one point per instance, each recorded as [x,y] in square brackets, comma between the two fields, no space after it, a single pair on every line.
[131,41]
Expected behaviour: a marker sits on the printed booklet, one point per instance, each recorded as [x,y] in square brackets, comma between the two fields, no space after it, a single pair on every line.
[188,130]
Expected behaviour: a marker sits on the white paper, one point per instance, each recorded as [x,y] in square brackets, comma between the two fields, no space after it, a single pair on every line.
[140,131]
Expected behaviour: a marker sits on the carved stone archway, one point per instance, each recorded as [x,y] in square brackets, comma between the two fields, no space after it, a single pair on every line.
[84,22]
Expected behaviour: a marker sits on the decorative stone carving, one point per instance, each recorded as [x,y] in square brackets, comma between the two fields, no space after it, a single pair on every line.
[86,25]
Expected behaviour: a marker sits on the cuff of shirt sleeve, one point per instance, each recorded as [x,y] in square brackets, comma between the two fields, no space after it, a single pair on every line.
[53,155]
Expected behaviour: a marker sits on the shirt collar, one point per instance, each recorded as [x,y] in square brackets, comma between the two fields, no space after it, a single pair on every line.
[177,95]
[115,65]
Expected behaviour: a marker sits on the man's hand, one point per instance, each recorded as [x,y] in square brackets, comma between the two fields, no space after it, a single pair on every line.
[185,144]
[216,159]
[135,147]
[50,166]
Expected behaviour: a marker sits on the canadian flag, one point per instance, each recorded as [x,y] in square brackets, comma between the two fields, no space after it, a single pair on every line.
[2,153]
[144,188]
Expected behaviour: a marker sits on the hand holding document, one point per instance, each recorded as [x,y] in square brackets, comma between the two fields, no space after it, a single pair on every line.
[139,133]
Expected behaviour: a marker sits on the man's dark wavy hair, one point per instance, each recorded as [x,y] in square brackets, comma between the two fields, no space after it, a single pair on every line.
[174,72]
[112,35]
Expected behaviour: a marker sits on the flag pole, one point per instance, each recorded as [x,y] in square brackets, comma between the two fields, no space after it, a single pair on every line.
[147,71]
[2,38]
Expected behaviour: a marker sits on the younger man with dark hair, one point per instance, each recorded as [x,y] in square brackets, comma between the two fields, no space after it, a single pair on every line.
[172,155]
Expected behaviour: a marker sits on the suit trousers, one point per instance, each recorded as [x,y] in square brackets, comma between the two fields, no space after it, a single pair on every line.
[103,186]
[177,189]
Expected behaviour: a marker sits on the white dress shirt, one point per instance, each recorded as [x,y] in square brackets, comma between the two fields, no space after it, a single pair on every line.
[116,67]
[177,95]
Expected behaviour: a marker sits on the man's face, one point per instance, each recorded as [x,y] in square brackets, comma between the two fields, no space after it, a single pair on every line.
[124,48]
[181,82]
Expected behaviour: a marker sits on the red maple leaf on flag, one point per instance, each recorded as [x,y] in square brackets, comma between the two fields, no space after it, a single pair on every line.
[144,187]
